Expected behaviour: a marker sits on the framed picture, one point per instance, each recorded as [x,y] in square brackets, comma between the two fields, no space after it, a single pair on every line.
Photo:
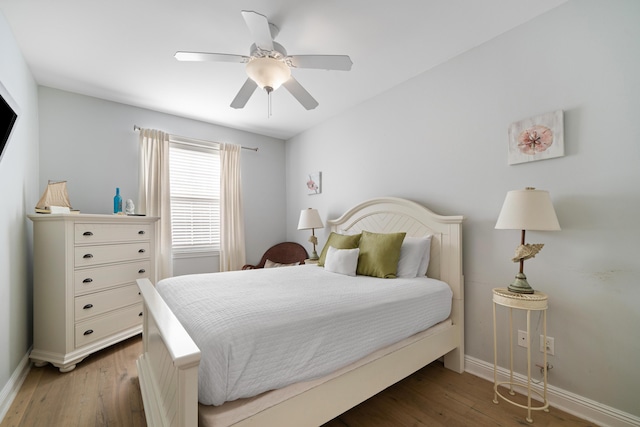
[536,138]
[314,183]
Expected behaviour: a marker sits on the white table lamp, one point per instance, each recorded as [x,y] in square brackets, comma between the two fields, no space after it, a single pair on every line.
[310,219]
[527,209]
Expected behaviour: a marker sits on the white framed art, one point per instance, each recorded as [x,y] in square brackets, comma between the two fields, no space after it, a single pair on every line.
[314,183]
[536,138]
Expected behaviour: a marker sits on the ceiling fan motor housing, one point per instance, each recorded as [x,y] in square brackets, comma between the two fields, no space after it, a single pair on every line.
[278,52]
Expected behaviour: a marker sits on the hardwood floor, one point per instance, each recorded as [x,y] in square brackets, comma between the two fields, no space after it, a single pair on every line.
[435,396]
[103,390]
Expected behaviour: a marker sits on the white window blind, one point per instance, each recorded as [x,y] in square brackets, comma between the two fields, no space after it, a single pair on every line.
[195,197]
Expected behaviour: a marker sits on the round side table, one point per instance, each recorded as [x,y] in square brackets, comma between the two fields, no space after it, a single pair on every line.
[529,302]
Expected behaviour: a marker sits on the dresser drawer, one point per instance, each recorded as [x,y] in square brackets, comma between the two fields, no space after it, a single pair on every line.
[104,233]
[105,301]
[98,278]
[103,326]
[92,255]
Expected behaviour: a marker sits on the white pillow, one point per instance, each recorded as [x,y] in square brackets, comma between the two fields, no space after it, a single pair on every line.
[424,264]
[342,261]
[271,264]
[412,256]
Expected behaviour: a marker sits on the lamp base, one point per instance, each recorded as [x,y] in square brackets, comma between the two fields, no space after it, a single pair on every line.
[520,285]
[314,256]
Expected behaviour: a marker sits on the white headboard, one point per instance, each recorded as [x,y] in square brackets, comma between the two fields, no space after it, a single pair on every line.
[391,214]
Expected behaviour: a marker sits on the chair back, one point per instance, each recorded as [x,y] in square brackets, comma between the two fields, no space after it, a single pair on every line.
[282,253]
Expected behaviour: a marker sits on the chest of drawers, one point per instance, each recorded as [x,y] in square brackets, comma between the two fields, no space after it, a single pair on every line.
[85,296]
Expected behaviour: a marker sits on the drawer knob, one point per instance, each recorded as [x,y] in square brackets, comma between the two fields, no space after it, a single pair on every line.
[142,270]
[141,232]
[140,315]
[87,233]
[88,332]
[87,307]
[87,280]
[141,251]
[87,256]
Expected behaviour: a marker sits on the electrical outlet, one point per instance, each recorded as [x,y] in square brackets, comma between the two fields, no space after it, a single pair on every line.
[551,350]
[523,341]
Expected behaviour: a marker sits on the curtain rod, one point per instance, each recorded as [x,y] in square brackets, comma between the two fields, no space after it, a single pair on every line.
[136,127]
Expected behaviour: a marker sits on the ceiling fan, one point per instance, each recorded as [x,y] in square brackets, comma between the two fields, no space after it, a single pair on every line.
[268,65]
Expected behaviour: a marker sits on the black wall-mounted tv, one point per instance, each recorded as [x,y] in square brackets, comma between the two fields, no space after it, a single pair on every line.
[8,117]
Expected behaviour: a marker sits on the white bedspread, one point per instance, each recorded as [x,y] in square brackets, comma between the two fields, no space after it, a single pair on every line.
[264,329]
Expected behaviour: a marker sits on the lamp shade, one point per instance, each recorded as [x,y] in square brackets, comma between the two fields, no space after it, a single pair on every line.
[528,209]
[268,73]
[309,218]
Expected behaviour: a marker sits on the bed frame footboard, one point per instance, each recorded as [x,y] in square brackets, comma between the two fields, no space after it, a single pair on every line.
[168,367]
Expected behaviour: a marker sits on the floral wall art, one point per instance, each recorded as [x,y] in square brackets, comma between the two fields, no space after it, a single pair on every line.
[314,184]
[536,138]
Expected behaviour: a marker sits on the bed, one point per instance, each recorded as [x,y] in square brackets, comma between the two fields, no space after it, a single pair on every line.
[168,367]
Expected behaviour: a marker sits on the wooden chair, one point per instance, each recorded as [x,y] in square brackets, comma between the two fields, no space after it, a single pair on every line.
[282,253]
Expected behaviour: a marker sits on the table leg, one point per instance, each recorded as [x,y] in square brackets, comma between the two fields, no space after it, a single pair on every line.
[511,392]
[495,357]
[529,419]
[544,329]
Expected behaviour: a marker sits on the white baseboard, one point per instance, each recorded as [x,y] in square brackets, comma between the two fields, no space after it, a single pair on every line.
[579,406]
[11,388]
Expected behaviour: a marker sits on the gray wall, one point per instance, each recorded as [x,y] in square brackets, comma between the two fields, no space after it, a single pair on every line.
[440,139]
[91,143]
[19,181]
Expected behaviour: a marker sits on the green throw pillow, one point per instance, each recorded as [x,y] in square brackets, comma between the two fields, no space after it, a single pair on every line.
[379,254]
[339,241]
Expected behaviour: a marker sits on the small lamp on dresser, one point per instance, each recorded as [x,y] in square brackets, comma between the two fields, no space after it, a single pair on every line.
[310,219]
[527,209]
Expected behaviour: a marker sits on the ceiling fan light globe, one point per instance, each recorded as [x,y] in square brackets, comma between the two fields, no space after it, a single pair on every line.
[268,72]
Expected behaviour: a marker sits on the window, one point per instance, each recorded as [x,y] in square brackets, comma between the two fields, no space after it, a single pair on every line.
[195,195]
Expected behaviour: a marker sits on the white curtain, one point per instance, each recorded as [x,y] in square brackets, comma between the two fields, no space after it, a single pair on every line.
[154,192]
[232,247]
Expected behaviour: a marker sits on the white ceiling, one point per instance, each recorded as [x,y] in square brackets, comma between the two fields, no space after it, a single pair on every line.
[123,50]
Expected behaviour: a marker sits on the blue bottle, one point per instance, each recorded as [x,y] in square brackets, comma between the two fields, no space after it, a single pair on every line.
[117,202]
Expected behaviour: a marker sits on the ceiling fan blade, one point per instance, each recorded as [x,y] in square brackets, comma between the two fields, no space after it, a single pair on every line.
[205,56]
[244,94]
[322,62]
[300,93]
[259,28]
